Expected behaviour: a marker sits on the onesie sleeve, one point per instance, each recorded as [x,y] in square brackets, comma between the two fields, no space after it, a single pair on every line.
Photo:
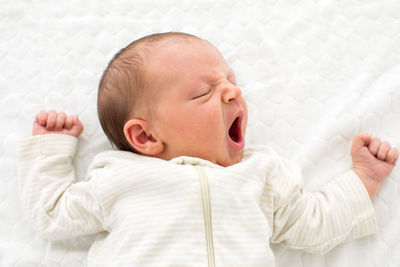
[318,221]
[55,205]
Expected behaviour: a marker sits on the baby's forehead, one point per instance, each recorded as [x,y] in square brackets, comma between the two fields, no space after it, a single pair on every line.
[180,60]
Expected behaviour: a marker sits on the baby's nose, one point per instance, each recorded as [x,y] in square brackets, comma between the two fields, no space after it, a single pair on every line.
[231,92]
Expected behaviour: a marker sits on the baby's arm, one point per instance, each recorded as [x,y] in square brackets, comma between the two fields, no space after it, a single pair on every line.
[341,210]
[373,161]
[55,205]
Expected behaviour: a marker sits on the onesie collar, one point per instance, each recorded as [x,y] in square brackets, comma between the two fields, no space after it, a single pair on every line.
[185,160]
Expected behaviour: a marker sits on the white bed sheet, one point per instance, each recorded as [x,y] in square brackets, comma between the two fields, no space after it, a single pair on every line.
[314,73]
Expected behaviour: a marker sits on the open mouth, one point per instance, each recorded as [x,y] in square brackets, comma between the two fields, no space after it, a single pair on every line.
[235,131]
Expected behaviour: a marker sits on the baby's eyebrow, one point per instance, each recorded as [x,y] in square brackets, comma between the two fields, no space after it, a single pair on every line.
[211,78]
[231,74]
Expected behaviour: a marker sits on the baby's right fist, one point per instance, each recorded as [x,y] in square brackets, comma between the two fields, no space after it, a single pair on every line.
[53,122]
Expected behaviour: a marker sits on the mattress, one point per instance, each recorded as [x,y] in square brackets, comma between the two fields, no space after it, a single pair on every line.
[314,73]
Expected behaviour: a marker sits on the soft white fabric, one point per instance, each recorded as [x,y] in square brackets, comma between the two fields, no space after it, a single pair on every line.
[314,73]
[149,211]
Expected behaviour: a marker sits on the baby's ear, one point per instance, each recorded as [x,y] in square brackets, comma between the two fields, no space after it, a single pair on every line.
[139,134]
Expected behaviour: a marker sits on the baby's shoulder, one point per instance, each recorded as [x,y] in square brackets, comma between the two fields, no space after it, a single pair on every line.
[259,157]
[265,157]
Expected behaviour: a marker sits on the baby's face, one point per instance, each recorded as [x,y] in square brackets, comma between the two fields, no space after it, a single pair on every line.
[200,111]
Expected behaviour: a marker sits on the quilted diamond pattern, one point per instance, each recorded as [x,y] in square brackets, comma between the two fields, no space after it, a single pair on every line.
[314,73]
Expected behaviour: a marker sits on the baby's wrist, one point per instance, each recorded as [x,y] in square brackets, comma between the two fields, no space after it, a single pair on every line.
[370,184]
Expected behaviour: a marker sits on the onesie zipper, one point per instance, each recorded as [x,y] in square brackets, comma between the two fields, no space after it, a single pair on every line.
[205,195]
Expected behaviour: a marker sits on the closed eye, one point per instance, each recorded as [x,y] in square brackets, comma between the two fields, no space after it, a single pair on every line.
[203,94]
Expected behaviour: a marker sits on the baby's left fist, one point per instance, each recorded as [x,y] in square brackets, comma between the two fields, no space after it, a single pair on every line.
[383,150]
[373,158]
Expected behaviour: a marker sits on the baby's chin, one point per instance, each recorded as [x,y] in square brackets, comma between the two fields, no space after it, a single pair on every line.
[232,160]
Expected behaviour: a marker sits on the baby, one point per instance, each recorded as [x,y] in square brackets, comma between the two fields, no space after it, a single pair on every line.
[181,190]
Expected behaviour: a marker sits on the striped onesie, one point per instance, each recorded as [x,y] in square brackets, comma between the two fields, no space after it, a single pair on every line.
[186,211]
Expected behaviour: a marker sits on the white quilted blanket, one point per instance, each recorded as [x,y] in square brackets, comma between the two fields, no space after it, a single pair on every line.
[314,73]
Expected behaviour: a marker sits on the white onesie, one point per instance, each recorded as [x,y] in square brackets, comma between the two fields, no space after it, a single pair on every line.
[186,211]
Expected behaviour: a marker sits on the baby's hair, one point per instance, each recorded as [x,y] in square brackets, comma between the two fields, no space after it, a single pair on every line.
[122,85]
